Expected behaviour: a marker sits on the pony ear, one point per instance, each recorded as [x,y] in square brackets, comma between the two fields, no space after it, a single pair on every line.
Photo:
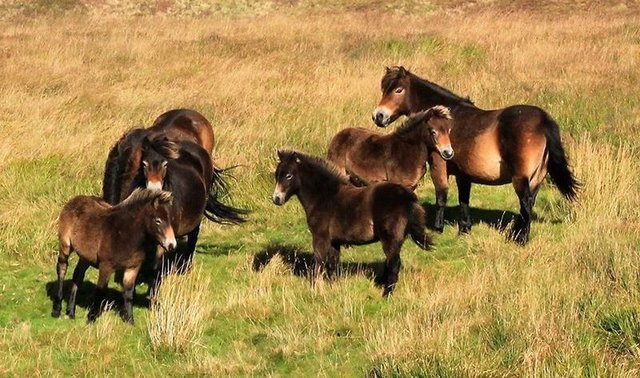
[402,70]
[156,202]
[387,70]
[146,143]
[296,157]
[280,155]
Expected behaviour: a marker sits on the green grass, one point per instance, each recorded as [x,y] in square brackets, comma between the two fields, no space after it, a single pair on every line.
[271,75]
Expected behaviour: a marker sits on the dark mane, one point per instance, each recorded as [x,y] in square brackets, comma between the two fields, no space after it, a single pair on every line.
[319,164]
[141,196]
[120,162]
[395,73]
[418,119]
[165,147]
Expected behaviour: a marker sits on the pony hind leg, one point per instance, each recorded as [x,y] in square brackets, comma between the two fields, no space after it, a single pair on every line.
[61,269]
[333,260]
[187,257]
[391,249]
[78,278]
[527,197]
[322,250]
[392,236]
[464,194]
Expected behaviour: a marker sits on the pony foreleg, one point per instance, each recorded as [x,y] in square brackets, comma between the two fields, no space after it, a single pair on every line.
[439,176]
[464,193]
[128,286]
[104,272]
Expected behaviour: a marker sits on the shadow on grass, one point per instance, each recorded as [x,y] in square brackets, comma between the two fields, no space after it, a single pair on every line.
[302,263]
[221,249]
[85,296]
[498,219]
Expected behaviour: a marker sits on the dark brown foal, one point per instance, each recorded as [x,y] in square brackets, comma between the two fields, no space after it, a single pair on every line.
[111,238]
[339,213]
[368,157]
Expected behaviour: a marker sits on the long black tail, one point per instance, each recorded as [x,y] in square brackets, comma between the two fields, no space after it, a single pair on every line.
[215,210]
[417,228]
[558,166]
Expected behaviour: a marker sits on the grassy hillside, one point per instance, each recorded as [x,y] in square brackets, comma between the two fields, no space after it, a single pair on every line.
[76,74]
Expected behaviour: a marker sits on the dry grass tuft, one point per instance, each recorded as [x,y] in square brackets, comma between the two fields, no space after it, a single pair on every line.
[177,315]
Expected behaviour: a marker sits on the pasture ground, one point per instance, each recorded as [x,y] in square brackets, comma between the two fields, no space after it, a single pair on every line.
[76,74]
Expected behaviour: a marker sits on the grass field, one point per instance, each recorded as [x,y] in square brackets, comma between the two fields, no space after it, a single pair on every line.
[76,74]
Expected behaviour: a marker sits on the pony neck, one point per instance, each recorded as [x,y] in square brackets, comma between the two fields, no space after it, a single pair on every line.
[425,95]
[317,187]
[130,218]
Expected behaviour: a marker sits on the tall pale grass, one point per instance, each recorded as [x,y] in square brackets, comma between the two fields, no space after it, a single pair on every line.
[178,313]
[530,311]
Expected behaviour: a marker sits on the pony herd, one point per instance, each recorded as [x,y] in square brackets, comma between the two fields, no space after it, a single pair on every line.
[160,181]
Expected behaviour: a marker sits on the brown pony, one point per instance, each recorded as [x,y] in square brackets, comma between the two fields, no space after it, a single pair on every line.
[185,124]
[111,238]
[400,157]
[125,157]
[518,144]
[183,168]
[339,213]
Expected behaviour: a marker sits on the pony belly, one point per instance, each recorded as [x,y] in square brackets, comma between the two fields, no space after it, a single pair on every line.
[482,163]
[487,172]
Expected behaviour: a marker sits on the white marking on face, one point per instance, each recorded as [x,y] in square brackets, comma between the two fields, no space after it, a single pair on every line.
[154,185]
[381,116]
[170,242]
[278,195]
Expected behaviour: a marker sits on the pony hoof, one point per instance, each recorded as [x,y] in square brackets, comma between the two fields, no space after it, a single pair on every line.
[71,315]
[464,231]
[438,229]
[55,313]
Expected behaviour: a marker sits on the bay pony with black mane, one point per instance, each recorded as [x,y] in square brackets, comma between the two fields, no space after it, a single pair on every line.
[111,238]
[368,157]
[339,213]
[518,144]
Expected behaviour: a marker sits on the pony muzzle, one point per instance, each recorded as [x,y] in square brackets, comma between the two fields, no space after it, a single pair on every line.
[381,117]
[170,243]
[154,185]
[279,198]
[447,152]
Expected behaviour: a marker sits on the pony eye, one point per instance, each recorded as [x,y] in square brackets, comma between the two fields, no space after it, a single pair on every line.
[399,90]
[433,132]
[289,176]
[158,221]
